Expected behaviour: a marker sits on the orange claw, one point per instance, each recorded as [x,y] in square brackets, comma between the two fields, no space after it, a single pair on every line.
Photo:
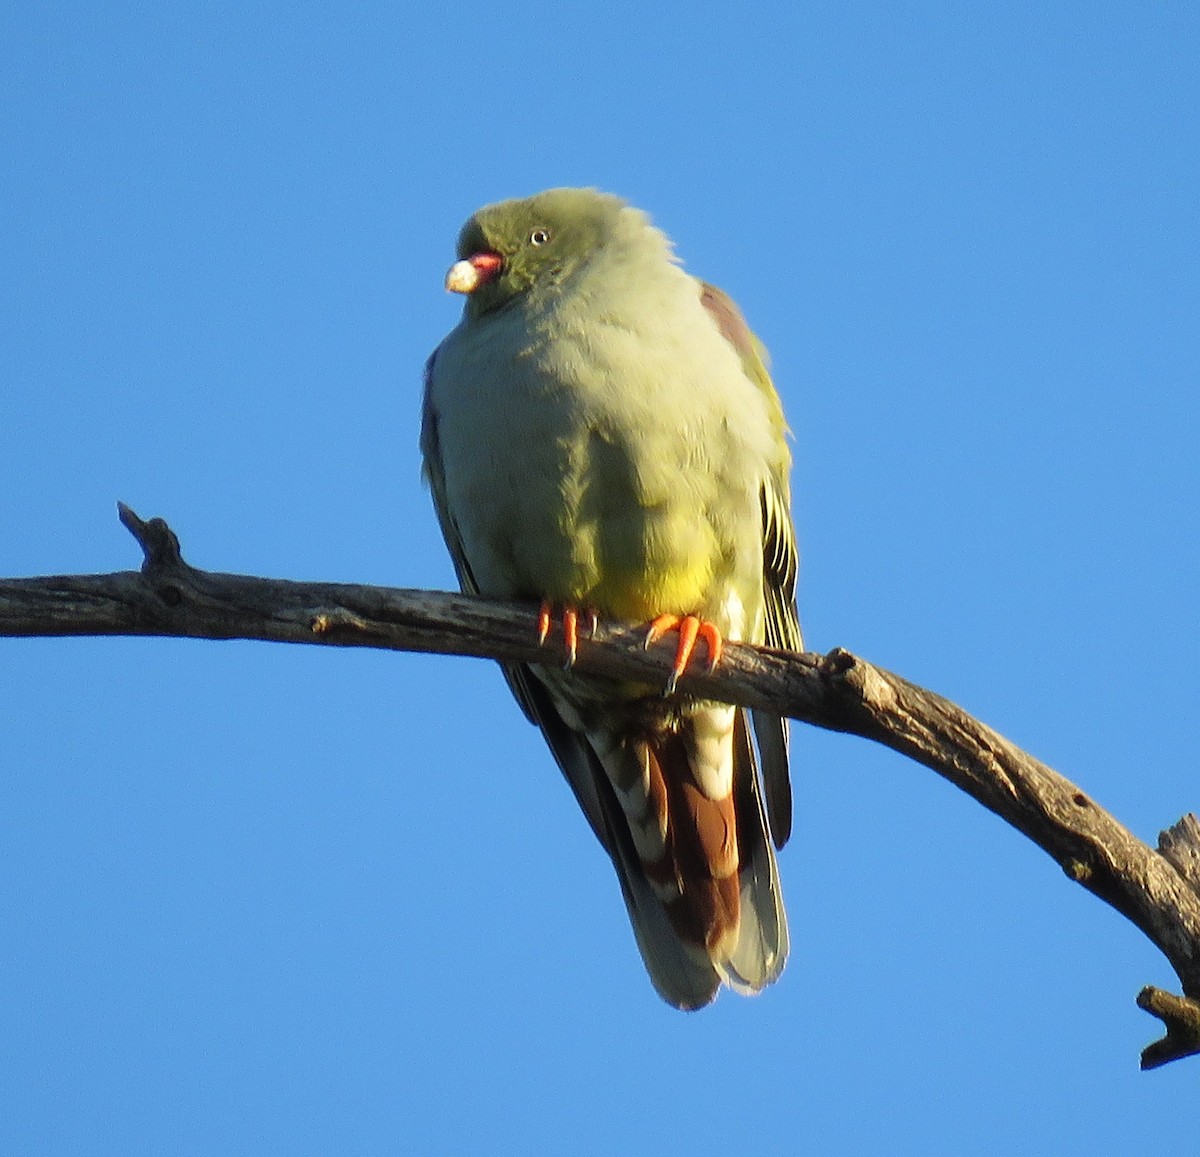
[690,629]
[571,633]
[570,623]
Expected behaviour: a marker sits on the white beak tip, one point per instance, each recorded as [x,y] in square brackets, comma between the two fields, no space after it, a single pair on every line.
[462,277]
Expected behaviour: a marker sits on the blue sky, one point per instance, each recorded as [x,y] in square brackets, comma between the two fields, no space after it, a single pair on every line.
[259,900]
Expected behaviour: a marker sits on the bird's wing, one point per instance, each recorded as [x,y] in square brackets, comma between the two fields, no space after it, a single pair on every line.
[783,630]
[571,751]
[435,475]
[762,946]
[780,560]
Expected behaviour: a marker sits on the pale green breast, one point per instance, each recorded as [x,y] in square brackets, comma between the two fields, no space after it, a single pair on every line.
[608,455]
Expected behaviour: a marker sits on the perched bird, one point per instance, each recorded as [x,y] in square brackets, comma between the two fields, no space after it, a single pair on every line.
[600,435]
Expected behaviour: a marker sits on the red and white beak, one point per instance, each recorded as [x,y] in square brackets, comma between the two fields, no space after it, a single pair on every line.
[468,275]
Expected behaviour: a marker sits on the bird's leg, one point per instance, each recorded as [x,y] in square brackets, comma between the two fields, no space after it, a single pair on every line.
[570,624]
[690,628]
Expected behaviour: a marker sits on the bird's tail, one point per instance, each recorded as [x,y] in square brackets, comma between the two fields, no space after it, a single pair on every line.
[694,855]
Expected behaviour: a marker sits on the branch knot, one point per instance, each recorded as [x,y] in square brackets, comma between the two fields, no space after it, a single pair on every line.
[159,544]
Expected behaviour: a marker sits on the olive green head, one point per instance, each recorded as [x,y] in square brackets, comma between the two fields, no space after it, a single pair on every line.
[515,247]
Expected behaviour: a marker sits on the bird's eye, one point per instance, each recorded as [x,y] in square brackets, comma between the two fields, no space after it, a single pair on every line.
[539,237]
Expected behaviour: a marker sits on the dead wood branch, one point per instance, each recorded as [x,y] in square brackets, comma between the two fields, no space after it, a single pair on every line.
[1159,891]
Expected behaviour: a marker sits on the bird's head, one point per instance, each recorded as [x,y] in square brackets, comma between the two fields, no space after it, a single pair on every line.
[516,247]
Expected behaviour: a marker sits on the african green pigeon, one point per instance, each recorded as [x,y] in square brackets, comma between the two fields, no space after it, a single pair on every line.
[601,436]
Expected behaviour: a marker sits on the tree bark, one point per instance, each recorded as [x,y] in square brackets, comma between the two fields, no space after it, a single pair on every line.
[1158,890]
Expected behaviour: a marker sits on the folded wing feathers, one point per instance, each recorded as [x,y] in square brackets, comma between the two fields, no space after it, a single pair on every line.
[780,565]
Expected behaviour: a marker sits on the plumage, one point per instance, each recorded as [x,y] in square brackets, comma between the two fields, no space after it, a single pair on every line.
[600,433]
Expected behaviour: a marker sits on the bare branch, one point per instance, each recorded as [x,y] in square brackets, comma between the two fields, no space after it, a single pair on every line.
[1182,1018]
[1159,891]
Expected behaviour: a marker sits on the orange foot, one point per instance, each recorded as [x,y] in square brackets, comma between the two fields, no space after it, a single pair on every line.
[570,624]
[690,629]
